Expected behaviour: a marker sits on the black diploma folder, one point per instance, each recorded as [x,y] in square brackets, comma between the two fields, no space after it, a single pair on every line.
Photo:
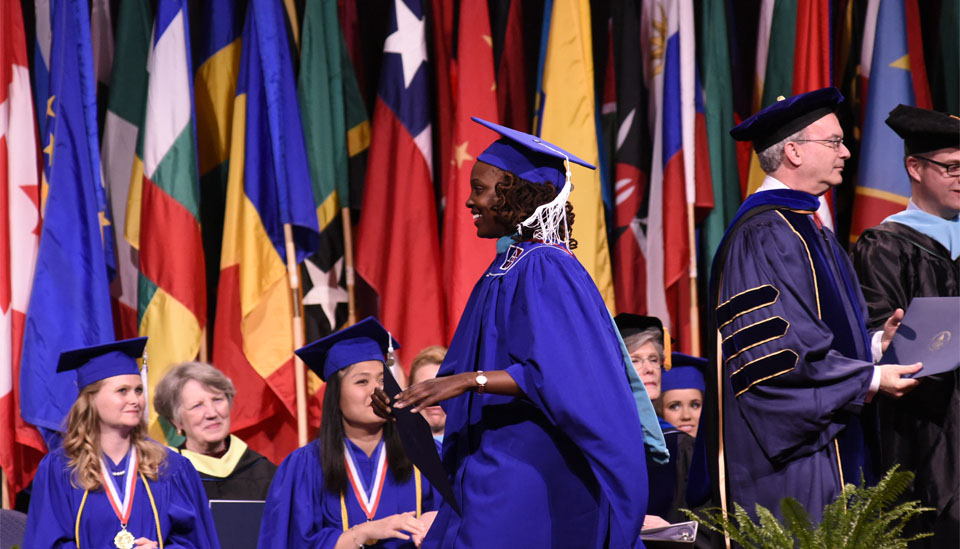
[237,522]
[929,333]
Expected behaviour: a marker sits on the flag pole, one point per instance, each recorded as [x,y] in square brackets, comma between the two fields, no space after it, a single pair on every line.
[300,374]
[694,301]
[721,458]
[204,352]
[5,503]
[348,267]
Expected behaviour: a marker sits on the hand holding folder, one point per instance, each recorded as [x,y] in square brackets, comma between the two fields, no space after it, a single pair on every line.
[929,333]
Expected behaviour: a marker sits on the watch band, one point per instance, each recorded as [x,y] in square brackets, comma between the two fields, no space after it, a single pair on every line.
[481,382]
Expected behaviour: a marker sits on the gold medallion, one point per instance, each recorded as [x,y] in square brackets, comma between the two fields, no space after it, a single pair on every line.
[123,539]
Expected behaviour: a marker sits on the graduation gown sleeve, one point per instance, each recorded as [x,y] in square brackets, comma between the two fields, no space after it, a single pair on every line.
[879,270]
[293,514]
[52,515]
[779,354]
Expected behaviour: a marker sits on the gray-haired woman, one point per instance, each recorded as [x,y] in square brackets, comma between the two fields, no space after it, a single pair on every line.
[196,399]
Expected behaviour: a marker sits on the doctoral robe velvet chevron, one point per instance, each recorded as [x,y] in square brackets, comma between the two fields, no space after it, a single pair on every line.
[795,356]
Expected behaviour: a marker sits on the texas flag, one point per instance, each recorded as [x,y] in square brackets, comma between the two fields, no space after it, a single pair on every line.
[398,252]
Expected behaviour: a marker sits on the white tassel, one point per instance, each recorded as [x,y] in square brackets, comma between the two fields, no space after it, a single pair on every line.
[547,219]
[390,359]
[144,378]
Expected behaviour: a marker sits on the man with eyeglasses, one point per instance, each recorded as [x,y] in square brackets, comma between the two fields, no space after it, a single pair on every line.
[796,364]
[916,253]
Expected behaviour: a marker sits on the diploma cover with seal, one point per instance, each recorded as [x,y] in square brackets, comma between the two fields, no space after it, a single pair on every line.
[929,333]
[674,536]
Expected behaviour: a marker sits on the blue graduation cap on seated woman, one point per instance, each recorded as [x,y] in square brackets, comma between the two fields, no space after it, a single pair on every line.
[366,340]
[102,361]
[537,161]
[687,373]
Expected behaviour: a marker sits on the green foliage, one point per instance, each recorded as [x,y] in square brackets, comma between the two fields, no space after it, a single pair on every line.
[862,517]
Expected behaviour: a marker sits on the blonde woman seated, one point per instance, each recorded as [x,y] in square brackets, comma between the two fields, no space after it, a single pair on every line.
[196,399]
[109,485]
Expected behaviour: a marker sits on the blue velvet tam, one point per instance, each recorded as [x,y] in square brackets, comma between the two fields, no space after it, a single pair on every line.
[687,373]
[786,117]
[365,340]
[527,156]
[102,361]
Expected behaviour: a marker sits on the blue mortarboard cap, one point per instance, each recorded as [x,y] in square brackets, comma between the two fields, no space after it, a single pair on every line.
[786,117]
[102,361]
[527,156]
[365,340]
[686,373]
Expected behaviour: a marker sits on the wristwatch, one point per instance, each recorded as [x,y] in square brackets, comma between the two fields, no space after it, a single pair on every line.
[481,382]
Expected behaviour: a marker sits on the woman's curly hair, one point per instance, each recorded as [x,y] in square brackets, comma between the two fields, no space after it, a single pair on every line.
[518,198]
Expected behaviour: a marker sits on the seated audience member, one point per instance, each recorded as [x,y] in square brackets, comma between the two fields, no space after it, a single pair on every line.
[681,393]
[353,486]
[110,485]
[648,348]
[196,399]
[645,341]
[425,366]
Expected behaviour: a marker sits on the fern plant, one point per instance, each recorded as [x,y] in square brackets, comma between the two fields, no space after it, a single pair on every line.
[861,517]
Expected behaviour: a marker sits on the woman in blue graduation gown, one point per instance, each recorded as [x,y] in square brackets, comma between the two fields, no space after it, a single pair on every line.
[543,442]
[353,486]
[109,485]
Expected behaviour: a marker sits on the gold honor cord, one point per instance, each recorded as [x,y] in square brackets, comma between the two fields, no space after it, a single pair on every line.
[153,506]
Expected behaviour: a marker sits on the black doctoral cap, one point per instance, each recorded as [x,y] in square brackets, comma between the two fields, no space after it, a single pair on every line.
[923,130]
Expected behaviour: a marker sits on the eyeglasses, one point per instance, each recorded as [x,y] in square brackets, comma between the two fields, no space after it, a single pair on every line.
[651,360]
[832,143]
[952,170]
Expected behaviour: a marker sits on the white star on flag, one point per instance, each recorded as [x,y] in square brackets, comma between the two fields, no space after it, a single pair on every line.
[326,291]
[409,40]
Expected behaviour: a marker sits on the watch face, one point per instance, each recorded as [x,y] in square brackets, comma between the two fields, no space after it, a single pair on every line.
[481,379]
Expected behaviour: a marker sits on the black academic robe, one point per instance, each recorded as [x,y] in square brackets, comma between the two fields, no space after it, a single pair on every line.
[668,481]
[920,431]
[240,474]
[795,365]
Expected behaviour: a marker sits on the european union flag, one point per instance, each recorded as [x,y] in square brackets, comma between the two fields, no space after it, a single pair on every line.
[70,303]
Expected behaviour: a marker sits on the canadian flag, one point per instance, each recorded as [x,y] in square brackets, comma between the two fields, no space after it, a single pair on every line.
[19,238]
